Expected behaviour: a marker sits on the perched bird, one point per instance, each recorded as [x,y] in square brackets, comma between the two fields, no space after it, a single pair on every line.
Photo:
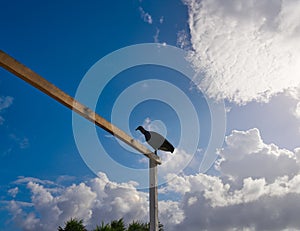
[156,141]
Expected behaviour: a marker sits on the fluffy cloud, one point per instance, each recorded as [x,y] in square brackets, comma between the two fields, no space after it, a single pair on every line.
[297,110]
[211,204]
[183,40]
[258,189]
[294,93]
[248,50]
[246,155]
[170,213]
[94,201]
[256,206]
[175,162]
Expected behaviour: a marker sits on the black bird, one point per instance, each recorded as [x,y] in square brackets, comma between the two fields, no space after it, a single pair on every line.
[156,141]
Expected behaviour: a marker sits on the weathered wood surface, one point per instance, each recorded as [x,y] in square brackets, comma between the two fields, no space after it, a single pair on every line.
[153,195]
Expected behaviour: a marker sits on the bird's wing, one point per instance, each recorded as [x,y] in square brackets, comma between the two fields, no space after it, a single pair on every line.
[156,140]
[167,146]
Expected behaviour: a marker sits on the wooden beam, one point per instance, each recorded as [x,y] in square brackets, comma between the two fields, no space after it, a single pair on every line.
[23,72]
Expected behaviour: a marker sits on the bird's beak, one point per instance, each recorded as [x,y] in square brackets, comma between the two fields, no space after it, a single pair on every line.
[137,129]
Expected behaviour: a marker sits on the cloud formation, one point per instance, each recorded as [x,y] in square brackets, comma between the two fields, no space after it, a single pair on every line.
[5,102]
[248,50]
[94,201]
[297,110]
[258,189]
[183,40]
[210,204]
[145,16]
[246,155]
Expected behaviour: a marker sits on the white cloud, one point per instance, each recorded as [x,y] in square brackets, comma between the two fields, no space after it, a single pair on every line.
[248,50]
[5,102]
[25,180]
[265,183]
[155,125]
[65,178]
[93,201]
[170,213]
[13,191]
[155,37]
[294,93]
[161,20]
[145,16]
[45,204]
[297,110]
[256,206]
[22,142]
[183,40]
[246,155]
[262,194]
[174,162]
[147,124]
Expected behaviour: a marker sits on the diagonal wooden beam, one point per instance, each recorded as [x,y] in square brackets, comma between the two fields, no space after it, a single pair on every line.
[29,76]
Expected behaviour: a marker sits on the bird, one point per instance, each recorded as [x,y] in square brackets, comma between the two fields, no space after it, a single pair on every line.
[156,141]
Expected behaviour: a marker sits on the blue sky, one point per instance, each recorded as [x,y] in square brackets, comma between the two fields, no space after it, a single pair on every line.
[43,171]
[61,42]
